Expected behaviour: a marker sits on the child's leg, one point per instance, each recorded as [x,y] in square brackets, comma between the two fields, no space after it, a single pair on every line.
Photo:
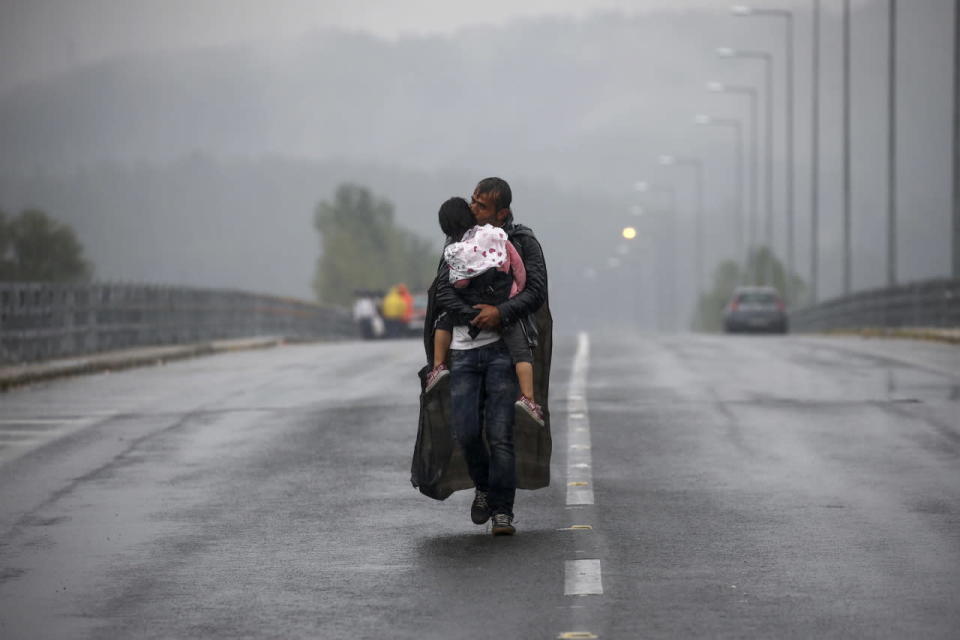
[525,377]
[516,343]
[441,345]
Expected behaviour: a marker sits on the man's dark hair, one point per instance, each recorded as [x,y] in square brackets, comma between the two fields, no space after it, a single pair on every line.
[500,190]
[455,218]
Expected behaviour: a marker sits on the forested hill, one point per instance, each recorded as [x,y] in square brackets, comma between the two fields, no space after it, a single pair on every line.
[248,223]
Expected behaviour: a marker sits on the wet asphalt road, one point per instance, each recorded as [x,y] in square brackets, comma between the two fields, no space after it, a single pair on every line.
[745,487]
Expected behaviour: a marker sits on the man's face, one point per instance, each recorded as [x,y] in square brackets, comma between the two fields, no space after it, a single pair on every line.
[484,208]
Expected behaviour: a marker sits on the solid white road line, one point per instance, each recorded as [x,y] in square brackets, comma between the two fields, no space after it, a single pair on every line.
[579,459]
[582,578]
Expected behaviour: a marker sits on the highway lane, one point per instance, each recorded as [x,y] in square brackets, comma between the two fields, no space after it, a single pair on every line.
[777,487]
[251,494]
[745,486]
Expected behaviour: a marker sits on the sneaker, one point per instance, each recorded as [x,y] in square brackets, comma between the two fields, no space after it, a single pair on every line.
[437,374]
[531,408]
[503,524]
[480,509]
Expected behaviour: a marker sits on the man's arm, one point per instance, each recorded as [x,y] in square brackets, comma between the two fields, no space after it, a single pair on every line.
[534,293]
[449,301]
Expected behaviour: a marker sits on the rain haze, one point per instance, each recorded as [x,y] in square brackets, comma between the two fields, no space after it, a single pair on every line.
[189,142]
[255,388]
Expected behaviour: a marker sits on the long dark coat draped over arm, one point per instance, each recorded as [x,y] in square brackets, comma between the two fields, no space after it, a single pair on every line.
[438,466]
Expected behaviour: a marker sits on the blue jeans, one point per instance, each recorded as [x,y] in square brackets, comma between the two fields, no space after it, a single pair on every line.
[483,388]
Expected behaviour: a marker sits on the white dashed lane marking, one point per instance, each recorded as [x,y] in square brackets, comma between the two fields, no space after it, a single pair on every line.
[582,578]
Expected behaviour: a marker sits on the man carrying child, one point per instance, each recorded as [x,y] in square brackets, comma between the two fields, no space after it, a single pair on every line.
[483,380]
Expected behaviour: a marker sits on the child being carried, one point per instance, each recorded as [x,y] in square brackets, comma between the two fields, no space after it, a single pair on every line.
[485,268]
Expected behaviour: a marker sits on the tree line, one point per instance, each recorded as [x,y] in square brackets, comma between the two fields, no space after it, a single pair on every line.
[762,267]
[362,248]
[37,248]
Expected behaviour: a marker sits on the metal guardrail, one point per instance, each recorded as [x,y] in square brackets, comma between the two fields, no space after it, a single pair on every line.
[40,321]
[931,303]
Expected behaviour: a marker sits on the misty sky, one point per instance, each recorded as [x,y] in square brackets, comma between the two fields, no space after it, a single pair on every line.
[189,141]
[39,37]
[43,37]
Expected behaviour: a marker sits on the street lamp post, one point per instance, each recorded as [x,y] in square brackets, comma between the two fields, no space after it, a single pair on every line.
[668,248]
[754,189]
[847,279]
[630,234]
[741,10]
[767,58]
[815,157]
[643,186]
[956,139]
[737,127]
[892,148]
[697,165]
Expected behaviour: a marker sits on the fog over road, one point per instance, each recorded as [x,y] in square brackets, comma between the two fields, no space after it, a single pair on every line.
[744,487]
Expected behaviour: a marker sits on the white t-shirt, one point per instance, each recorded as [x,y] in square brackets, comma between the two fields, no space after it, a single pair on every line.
[462,340]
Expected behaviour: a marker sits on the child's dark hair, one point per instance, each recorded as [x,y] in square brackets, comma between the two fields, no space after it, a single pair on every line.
[455,218]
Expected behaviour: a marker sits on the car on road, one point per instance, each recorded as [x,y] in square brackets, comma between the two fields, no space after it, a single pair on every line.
[755,309]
